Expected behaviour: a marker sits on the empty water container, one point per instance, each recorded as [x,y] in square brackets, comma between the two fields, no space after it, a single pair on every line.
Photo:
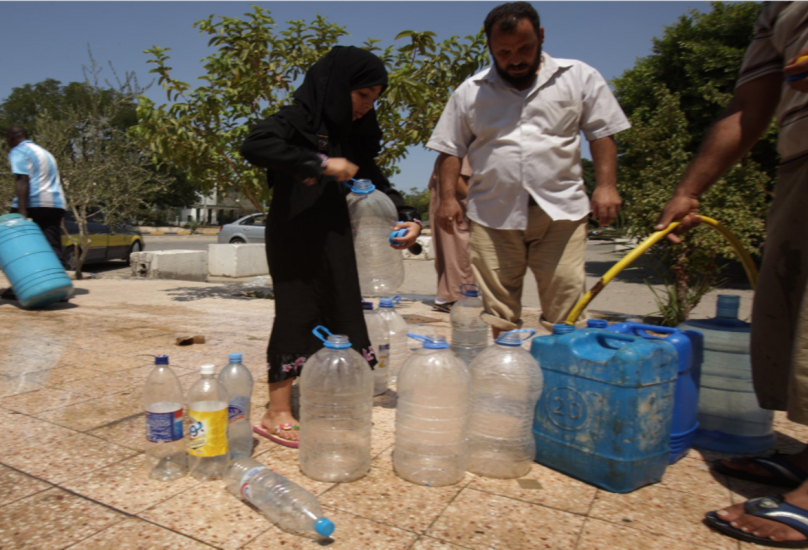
[730,419]
[469,331]
[373,216]
[397,329]
[506,383]
[380,340]
[29,263]
[605,413]
[336,399]
[432,414]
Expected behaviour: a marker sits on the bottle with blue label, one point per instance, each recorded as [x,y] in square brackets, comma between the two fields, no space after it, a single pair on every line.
[238,382]
[730,419]
[208,405]
[165,445]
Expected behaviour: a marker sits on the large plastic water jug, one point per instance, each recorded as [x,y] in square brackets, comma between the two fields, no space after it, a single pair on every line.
[506,383]
[469,331]
[689,346]
[604,416]
[380,340]
[336,400]
[432,415]
[397,330]
[730,419]
[373,216]
[29,263]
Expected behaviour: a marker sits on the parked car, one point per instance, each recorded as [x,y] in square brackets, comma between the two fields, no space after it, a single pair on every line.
[249,229]
[106,243]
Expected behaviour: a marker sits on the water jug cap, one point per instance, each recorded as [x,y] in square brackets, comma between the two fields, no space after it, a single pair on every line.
[332,341]
[473,290]
[398,233]
[727,306]
[360,187]
[389,302]
[367,305]
[512,337]
[597,323]
[161,359]
[235,358]
[324,527]
[207,369]
[563,329]
[436,342]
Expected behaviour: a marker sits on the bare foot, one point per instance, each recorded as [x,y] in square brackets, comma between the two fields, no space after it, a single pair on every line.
[273,419]
[766,528]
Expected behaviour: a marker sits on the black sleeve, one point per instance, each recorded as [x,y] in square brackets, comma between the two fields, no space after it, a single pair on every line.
[369,170]
[274,144]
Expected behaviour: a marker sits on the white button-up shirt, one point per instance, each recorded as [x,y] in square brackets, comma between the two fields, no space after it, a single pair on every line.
[523,143]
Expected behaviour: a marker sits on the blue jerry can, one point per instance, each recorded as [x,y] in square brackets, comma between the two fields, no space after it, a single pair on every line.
[605,414]
[34,271]
[689,346]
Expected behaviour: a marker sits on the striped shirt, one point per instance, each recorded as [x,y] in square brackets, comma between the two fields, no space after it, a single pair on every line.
[45,189]
[781,31]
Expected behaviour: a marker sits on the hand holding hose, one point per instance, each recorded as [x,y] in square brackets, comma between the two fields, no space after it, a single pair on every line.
[680,207]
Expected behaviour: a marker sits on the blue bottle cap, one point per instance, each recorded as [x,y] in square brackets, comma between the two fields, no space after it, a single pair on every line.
[361,187]
[597,323]
[385,302]
[367,305]
[235,358]
[562,329]
[324,527]
[398,233]
[332,341]
[161,359]
[472,291]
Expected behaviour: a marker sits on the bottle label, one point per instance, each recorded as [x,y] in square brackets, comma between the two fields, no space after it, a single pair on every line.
[238,408]
[207,433]
[381,357]
[245,481]
[164,427]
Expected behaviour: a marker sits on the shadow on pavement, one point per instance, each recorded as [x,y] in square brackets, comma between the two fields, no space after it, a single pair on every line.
[230,292]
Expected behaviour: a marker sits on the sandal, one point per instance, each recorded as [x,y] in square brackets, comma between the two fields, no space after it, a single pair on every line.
[784,474]
[443,308]
[773,508]
[276,437]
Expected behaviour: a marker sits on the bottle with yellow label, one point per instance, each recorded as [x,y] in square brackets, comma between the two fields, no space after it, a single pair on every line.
[208,453]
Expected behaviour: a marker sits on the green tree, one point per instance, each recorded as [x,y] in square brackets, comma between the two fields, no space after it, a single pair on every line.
[418,199]
[671,97]
[253,73]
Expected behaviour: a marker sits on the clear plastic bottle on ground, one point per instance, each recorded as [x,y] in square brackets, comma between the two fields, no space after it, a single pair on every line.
[397,329]
[506,384]
[238,382]
[284,502]
[373,216]
[166,457]
[432,414]
[336,400]
[469,331]
[379,335]
[208,452]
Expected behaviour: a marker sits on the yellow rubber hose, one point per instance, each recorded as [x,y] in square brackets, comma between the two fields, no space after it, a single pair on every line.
[743,255]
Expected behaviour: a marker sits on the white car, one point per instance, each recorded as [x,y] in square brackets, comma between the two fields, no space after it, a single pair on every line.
[249,229]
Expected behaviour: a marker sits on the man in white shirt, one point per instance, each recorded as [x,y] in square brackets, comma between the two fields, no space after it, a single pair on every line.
[519,123]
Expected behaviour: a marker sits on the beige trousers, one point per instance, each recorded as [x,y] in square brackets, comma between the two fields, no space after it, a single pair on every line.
[554,252]
[452,263]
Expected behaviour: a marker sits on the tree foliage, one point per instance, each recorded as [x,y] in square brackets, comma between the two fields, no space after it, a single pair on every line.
[671,97]
[253,73]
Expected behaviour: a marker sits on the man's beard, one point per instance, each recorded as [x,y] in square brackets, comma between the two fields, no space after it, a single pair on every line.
[519,81]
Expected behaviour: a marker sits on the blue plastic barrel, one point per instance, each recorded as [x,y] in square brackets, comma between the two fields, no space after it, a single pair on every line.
[605,413]
[28,261]
[689,346]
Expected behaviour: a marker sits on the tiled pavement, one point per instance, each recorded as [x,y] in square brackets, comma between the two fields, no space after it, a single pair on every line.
[71,472]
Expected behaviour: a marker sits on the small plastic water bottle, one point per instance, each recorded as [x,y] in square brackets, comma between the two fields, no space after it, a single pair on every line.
[207,426]
[284,502]
[380,340]
[166,458]
[238,382]
[397,329]
[432,414]
[469,331]
[506,384]
[336,400]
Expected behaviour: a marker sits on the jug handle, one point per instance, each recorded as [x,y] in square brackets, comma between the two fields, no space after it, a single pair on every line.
[421,338]
[528,337]
[396,299]
[601,337]
[323,329]
[636,329]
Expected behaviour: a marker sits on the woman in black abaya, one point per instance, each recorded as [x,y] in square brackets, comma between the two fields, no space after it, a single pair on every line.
[329,135]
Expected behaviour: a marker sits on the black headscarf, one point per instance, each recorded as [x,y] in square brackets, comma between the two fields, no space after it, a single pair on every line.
[325,96]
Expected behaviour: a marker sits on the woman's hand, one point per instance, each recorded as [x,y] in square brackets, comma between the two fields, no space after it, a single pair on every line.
[341,168]
[413,230]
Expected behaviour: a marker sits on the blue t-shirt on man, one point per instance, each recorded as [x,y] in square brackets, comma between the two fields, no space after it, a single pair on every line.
[45,189]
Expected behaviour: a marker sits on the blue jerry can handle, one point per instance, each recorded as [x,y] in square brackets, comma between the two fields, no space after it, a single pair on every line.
[398,233]
[636,328]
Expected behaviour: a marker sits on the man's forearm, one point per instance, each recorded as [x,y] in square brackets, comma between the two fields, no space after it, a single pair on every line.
[448,171]
[604,157]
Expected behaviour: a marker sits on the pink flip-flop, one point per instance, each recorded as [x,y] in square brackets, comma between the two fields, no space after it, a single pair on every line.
[260,429]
